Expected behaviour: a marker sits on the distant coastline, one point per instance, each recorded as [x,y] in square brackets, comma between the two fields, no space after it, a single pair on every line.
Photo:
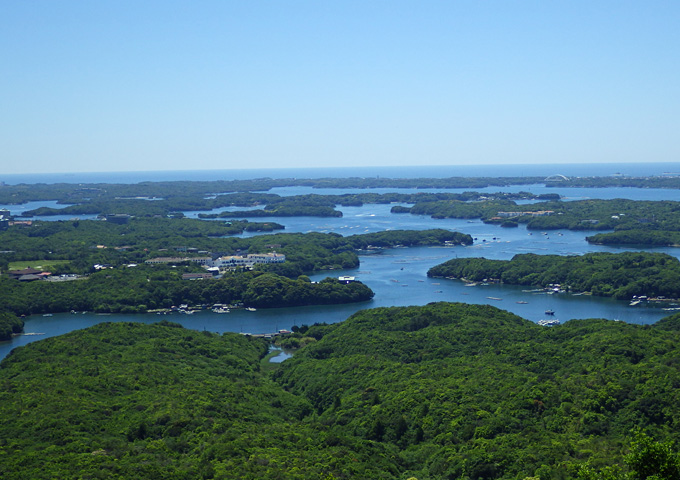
[431,171]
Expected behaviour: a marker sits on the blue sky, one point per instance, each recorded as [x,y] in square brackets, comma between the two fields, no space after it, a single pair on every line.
[176,85]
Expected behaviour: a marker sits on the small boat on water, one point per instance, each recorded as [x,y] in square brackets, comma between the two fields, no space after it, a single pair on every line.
[548,323]
[549,312]
[494,298]
[521,302]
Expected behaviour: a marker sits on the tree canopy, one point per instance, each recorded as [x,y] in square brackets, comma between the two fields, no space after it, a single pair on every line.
[440,391]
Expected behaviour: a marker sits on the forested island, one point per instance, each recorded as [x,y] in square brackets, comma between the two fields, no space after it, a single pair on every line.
[433,392]
[626,222]
[619,275]
[110,267]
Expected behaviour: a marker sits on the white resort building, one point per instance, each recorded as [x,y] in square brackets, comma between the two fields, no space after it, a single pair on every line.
[235,261]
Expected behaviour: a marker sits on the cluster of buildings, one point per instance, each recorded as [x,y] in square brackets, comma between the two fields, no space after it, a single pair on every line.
[247,261]
[28,274]
[220,264]
[6,220]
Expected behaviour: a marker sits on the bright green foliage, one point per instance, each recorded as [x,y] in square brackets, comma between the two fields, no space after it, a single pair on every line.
[620,275]
[647,460]
[137,401]
[474,392]
[444,391]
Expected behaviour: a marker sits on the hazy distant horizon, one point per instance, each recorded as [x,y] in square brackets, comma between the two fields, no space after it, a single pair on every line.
[482,165]
[421,171]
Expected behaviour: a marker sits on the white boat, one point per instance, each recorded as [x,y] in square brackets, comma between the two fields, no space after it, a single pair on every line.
[548,323]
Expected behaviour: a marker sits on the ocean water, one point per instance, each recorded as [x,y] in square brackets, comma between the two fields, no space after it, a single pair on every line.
[432,171]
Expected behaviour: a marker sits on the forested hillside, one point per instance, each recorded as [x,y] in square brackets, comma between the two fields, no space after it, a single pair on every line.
[444,391]
[462,391]
[133,401]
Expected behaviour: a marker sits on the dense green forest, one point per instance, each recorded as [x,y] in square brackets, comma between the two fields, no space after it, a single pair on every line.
[443,391]
[618,275]
[9,324]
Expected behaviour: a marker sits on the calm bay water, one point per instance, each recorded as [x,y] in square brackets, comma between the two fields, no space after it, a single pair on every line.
[398,276]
